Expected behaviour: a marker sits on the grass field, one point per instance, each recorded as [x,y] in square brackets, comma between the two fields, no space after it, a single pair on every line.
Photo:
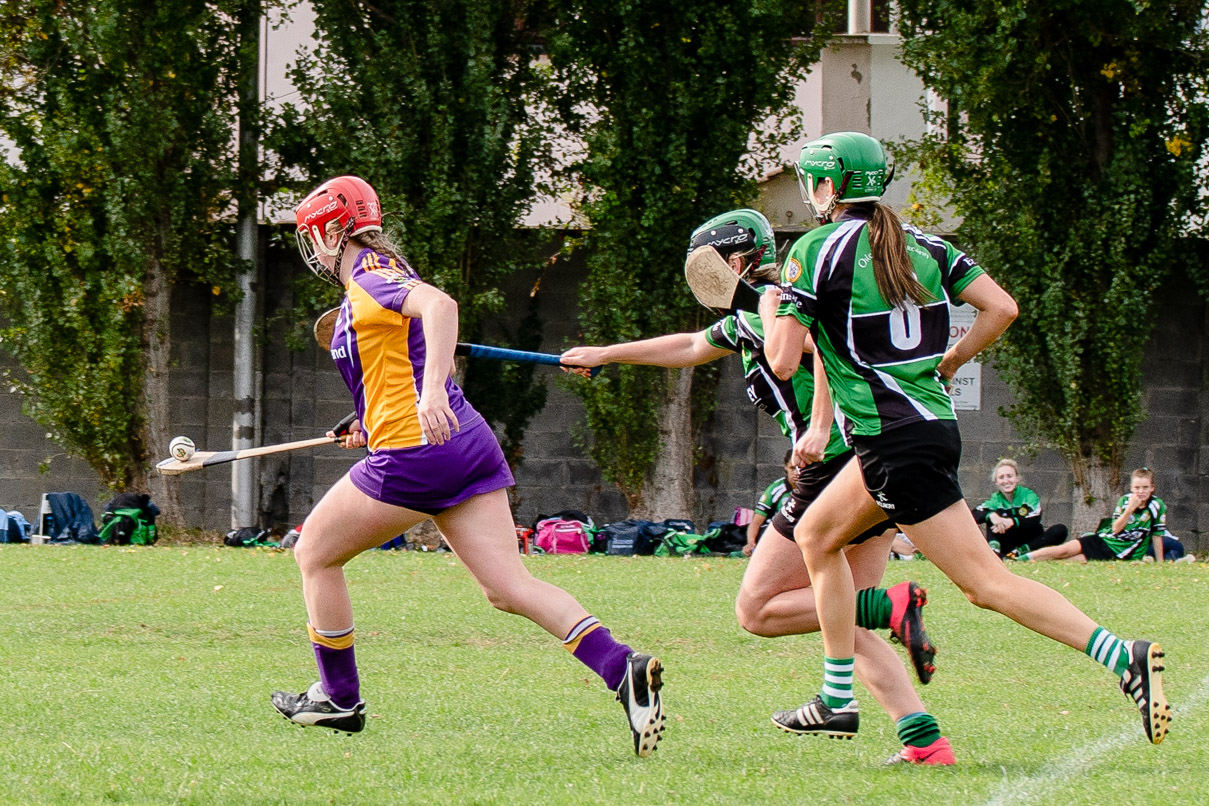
[142,676]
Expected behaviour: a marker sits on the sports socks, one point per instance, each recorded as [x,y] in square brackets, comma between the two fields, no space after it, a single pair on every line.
[593,646]
[337,665]
[873,608]
[919,729]
[1109,650]
[837,681]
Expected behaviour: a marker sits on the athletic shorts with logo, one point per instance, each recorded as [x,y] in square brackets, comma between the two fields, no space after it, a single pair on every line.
[1095,547]
[807,486]
[911,470]
[433,478]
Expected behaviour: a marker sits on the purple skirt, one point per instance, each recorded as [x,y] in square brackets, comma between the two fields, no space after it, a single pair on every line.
[432,478]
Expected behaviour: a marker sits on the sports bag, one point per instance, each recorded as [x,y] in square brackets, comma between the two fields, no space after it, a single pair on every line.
[623,538]
[562,536]
[679,544]
[127,526]
[248,537]
[723,537]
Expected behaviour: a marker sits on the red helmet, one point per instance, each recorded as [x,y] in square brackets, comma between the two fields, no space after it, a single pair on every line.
[345,204]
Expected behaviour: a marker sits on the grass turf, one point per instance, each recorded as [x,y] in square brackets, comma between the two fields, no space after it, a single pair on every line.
[142,676]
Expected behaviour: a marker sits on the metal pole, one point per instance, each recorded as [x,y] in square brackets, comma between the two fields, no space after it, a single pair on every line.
[243,426]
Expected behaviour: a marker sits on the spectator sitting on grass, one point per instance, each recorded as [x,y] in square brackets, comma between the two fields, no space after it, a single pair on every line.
[1139,519]
[1013,515]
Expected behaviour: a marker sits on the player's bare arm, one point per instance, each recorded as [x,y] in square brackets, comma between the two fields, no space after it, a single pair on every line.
[812,445]
[672,350]
[996,310]
[438,315]
[784,336]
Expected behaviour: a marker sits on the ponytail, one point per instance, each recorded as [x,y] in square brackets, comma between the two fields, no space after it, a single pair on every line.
[892,267]
[380,242]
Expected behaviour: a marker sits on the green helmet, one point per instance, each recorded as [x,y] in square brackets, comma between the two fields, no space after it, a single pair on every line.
[855,163]
[746,233]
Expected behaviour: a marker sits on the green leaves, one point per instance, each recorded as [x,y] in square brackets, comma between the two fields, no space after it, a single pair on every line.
[435,104]
[120,120]
[1058,158]
[675,90]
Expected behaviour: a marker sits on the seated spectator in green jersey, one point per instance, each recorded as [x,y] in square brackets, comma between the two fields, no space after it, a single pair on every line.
[1139,520]
[1013,515]
[770,503]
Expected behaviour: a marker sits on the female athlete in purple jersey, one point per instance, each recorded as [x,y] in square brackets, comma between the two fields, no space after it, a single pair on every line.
[431,455]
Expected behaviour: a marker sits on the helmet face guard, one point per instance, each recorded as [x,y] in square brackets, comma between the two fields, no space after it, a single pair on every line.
[346,205]
[744,233]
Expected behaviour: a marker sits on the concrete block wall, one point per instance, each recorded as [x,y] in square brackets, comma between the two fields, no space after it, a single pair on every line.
[741,448]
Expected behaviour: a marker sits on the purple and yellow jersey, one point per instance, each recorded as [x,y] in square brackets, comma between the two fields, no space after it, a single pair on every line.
[380,353]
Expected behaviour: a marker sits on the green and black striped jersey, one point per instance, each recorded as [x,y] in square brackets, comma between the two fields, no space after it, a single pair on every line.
[788,402]
[773,498]
[1133,541]
[880,359]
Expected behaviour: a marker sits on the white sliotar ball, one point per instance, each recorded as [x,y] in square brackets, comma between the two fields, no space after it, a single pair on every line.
[181,448]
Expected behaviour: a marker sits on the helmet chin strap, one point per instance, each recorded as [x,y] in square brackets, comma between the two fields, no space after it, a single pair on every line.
[334,273]
[824,214]
[340,258]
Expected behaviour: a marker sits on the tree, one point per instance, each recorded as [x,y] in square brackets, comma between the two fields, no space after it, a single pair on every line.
[429,102]
[1071,148]
[666,94]
[113,190]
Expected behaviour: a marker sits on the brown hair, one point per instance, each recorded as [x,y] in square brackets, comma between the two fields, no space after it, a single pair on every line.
[892,267]
[380,242]
[1143,473]
[769,273]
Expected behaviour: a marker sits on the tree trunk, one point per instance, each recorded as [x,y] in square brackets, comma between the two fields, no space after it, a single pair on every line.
[1094,494]
[668,491]
[157,342]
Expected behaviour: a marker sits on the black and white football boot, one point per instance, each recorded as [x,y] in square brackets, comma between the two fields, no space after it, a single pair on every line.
[1143,683]
[314,708]
[817,719]
[639,695]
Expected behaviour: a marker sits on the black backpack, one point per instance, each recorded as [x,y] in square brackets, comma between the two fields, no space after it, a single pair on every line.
[633,536]
[725,538]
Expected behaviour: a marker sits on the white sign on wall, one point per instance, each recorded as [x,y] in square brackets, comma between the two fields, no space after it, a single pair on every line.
[966,389]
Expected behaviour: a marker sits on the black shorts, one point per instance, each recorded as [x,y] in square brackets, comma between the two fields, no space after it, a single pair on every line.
[807,486]
[911,471]
[1093,547]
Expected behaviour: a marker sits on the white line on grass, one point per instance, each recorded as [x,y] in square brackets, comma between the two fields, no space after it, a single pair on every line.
[1081,760]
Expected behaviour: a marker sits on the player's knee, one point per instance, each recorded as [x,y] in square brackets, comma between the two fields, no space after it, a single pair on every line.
[307,556]
[989,594]
[750,614]
[507,596]
[817,545]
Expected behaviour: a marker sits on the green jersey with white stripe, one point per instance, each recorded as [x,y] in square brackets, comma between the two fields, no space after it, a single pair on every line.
[1133,541]
[880,359]
[789,402]
[773,498]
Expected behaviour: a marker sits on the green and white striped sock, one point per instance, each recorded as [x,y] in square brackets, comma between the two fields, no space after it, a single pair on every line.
[1109,650]
[837,681]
